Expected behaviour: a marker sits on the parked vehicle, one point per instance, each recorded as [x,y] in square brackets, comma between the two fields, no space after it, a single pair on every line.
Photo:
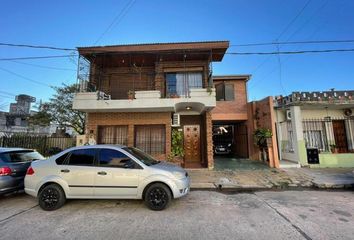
[223,148]
[105,172]
[14,163]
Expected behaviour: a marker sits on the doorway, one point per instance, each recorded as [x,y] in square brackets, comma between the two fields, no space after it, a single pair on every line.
[192,153]
[340,136]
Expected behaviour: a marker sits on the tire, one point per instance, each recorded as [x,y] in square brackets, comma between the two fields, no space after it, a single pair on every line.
[51,197]
[157,196]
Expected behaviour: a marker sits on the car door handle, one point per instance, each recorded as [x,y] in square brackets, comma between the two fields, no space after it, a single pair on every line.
[102,173]
[65,170]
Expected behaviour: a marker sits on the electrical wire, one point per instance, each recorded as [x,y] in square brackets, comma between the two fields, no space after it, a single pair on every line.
[37,46]
[117,19]
[37,57]
[25,78]
[290,43]
[45,67]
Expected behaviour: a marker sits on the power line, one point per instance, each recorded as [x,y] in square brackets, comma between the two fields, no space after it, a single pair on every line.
[292,52]
[37,57]
[6,97]
[37,46]
[294,19]
[117,19]
[23,77]
[290,43]
[8,93]
[42,66]
[282,32]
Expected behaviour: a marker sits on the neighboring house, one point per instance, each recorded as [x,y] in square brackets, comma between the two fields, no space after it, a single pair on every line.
[316,129]
[136,94]
[230,114]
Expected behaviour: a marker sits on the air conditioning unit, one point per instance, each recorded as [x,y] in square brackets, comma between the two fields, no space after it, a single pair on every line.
[176,120]
[288,115]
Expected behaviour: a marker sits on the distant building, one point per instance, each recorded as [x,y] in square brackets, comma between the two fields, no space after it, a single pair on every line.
[16,120]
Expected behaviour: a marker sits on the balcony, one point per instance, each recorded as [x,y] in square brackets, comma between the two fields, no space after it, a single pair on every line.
[197,101]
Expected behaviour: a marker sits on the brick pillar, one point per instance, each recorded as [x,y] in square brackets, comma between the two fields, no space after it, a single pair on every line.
[130,135]
[209,140]
[168,139]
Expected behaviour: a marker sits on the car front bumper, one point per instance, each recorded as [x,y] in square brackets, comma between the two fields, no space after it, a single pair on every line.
[183,187]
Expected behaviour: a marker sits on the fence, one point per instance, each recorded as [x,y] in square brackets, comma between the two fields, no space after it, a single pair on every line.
[329,134]
[47,146]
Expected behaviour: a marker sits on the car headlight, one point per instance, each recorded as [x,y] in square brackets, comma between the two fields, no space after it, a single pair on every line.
[229,145]
[179,175]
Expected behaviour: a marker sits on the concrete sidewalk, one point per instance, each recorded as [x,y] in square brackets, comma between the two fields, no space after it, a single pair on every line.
[271,178]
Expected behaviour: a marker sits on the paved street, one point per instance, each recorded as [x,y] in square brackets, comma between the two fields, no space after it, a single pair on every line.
[201,215]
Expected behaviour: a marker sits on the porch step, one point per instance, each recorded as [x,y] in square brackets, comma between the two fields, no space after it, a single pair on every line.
[288,164]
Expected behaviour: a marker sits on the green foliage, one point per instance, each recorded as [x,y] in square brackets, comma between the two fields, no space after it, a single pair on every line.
[59,110]
[41,118]
[261,135]
[177,143]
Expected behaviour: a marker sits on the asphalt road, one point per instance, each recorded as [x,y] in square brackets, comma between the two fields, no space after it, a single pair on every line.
[200,215]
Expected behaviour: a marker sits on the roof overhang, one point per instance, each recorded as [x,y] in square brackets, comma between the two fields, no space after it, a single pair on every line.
[215,49]
[244,77]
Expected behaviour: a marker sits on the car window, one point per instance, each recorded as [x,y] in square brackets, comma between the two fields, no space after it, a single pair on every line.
[60,160]
[20,156]
[82,157]
[115,158]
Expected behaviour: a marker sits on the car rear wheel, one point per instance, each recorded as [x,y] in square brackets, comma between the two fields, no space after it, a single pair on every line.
[157,196]
[51,197]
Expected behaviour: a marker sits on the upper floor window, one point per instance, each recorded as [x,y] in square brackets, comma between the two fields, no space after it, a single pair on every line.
[178,84]
[225,92]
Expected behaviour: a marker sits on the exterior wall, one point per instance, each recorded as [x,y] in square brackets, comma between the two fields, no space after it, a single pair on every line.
[335,160]
[261,115]
[101,119]
[322,113]
[232,110]
[298,114]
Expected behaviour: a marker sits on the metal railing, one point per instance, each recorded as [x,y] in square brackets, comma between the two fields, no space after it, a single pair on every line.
[329,134]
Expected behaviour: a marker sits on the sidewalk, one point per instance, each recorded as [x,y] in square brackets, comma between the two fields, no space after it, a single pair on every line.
[271,178]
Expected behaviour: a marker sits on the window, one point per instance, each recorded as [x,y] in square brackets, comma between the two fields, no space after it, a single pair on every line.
[179,84]
[82,157]
[225,92]
[20,156]
[60,160]
[313,139]
[114,158]
[150,138]
[113,135]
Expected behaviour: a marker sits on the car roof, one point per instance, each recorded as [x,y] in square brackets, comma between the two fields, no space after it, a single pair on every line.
[117,146]
[3,150]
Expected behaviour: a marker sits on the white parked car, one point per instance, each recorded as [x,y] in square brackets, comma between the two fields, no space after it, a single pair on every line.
[105,172]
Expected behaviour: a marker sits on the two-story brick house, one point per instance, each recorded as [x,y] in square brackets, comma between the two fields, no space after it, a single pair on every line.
[136,94]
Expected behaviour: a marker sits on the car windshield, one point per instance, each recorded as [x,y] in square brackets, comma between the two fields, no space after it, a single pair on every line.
[141,156]
[20,156]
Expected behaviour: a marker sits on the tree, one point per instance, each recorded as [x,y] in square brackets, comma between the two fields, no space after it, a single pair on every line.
[59,110]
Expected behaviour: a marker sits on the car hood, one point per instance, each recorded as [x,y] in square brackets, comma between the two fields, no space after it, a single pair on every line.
[168,167]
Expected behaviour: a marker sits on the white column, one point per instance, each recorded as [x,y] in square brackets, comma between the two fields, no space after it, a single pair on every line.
[298,135]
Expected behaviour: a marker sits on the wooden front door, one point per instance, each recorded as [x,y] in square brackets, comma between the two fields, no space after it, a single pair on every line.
[192,145]
[340,136]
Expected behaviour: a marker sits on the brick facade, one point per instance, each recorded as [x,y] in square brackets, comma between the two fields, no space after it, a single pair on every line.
[130,119]
[232,110]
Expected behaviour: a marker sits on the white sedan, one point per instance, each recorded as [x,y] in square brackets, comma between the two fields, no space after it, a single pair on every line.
[105,172]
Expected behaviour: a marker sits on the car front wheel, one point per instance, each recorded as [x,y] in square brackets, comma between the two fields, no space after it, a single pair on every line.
[157,196]
[51,197]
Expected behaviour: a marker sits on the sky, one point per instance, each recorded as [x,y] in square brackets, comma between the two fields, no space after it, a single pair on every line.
[71,24]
